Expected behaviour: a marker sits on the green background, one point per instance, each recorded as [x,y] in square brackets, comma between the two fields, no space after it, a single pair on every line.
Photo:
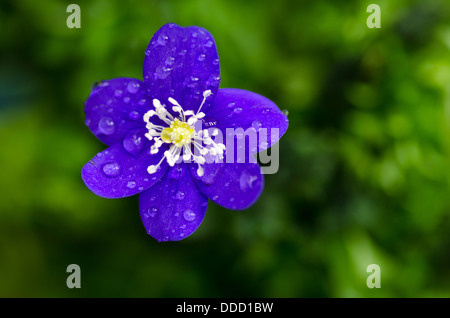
[364,166]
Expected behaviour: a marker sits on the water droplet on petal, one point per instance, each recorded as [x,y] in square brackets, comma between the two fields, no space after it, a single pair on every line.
[162,39]
[106,126]
[87,122]
[209,44]
[126,99]
[215,197]
[216,61]
[162,72]
[118,92]
[134,115]
[231,105]
[246,181]
[189,215]
[131,184]
[142,101]
[147,52]
[152,211]
[180,195]
[237,110]
[133,87]
[286,112]
[111,169]
[176,172]
[201,57]
[170,60]
[133,143]
[256,124]
[264,145]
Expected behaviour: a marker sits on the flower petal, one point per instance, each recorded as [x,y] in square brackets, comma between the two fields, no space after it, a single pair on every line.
[234,186]
[114,107]
[182,63]
[116,172]
[236,108]
[173,208]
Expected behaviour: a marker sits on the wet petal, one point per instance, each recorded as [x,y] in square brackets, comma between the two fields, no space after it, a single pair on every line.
[182,63]
[116,172]
[173,208]
[114,107]
[234,186]
[254,114]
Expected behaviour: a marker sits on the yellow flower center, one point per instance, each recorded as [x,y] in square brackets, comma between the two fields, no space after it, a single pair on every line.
[179,133]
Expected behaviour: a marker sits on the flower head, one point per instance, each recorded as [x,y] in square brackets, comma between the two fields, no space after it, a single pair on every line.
[168,135]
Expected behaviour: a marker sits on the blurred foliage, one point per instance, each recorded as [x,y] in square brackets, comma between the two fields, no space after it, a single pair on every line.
[364,172]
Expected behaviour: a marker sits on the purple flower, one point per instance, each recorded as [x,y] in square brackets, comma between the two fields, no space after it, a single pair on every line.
[157,146]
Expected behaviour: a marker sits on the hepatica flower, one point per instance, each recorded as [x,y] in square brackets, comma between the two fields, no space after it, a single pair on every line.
[168,136]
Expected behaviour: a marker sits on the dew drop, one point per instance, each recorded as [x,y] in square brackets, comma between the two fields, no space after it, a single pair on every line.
[231,105]
[111,169]
[180,195]
[134,115]
[133,143]
[162,39]
[131,184]
[256,124]
[286,112]
[87,122]
[209,44]
[201,57]
[215,197]
[147,52]
[216,61]
[106,126]
[162,72]
[189,215]
[133,87]
[183,226]
[118,92]
[246,181]
[264,145]
[170,60]
[152,211]
[237,110]
[126,99]
[176,172]
[142,101]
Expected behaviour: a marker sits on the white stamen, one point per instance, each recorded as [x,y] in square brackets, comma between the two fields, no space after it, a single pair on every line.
[180,133]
